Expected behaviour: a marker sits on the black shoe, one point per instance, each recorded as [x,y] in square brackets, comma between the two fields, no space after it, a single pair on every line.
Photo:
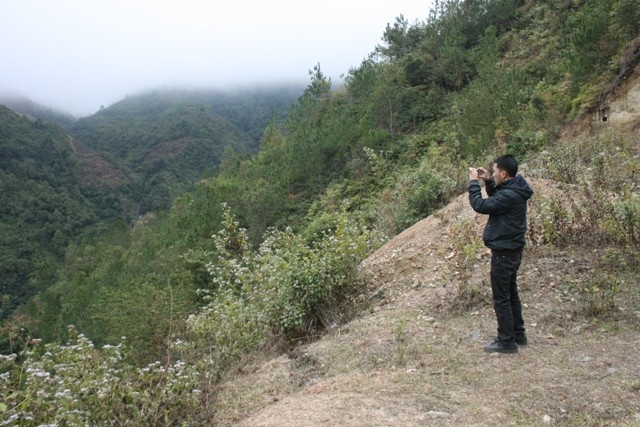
[501,347]
[521,340]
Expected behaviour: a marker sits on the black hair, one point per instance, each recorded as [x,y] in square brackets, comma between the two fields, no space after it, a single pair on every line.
[507,163]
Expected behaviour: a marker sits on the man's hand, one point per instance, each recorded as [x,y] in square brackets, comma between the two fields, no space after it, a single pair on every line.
[483,174]
[473,174]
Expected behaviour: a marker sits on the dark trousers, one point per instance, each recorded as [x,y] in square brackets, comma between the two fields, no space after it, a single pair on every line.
[506,302]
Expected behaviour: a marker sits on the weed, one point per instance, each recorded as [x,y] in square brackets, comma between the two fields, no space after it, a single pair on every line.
[401,342]
[605,282]
[599,294]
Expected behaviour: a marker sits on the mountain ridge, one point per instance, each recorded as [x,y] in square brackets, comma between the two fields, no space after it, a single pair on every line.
[24,105]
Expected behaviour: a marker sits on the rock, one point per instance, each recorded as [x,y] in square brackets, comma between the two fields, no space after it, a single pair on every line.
[378,294]
[546,419]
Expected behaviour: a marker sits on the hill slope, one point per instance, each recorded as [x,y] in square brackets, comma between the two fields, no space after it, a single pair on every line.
[416,357]
[41,205]
[167,140]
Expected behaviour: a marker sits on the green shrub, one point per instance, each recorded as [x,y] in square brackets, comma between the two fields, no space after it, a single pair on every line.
[604,283]
[627,214]
[287,287]
[467,248]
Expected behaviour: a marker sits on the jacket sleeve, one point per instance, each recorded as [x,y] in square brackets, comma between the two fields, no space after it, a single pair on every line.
[496,204]
[490,187]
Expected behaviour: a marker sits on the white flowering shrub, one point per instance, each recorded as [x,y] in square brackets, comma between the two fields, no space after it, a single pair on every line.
[283,288]
[78,385]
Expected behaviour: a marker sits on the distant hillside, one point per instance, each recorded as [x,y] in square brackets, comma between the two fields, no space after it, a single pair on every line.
[24,105]
[41,205]
[170,139]
[126,160]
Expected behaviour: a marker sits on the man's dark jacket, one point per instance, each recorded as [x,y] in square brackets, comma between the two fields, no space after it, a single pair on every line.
[507,210]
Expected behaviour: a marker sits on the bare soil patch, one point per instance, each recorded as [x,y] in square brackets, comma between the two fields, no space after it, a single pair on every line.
[168,149]
[95,171]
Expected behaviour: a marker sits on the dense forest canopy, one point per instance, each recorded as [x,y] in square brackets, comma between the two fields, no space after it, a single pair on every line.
[41,206]
[266,247]
[169,139]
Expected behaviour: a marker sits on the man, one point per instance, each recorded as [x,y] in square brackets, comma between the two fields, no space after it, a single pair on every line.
[504,234]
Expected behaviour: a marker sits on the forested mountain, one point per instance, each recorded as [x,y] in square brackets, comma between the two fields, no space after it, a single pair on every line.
[263,253]
[41,205]
[167,140]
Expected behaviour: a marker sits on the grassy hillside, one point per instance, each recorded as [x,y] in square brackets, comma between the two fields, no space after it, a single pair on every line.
[263,257]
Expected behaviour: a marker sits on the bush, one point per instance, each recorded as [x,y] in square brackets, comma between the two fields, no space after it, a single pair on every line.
[603,285]
[287,287]
[415,193]
[467,250]
[76,384]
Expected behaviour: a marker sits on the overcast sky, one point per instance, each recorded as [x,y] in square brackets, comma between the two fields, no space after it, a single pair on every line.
[77,55]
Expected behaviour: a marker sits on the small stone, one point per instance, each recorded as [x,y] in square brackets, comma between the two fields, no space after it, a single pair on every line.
[546,419]
[437,414]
